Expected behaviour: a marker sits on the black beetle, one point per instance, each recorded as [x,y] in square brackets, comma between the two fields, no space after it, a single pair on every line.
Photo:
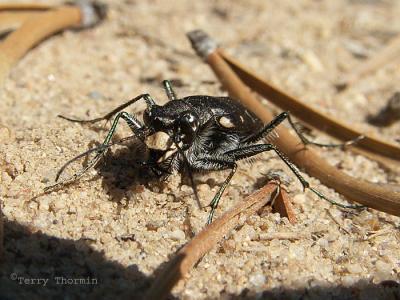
[202,133]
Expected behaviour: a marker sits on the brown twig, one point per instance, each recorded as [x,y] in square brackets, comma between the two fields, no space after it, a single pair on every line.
[369,194]
[12,20]
[24,6]
[388,53]
[190,254]
[32,32]
[379,150]
[284,207]
[39,26]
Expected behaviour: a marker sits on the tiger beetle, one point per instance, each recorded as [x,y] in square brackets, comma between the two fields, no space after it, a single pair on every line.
[201,133]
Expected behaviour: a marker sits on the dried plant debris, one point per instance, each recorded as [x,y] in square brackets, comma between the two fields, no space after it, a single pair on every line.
[389,114]
[377,149]
[115,227]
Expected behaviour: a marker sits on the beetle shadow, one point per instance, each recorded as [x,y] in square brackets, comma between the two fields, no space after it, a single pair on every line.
[362,289]
[71,268]
[122,170]
[30,256]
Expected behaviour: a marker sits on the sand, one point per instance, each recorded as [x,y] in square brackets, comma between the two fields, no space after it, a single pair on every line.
[113,229]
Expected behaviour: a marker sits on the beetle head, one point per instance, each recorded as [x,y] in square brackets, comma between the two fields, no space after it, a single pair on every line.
[180,122]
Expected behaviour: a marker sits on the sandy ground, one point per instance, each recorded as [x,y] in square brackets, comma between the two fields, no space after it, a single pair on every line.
[115,229]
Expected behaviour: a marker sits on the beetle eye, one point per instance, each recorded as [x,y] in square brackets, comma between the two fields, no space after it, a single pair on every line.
[189,123]
[186,128]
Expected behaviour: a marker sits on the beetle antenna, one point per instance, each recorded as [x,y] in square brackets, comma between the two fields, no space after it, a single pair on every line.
[149,101]
[147,98]
[169,90]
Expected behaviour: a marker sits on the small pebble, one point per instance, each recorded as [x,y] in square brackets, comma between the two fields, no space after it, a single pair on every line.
[354,268]
[312,60]
[58,204]
[177,235]
[383,268]
[299,199]
[44,204]
[6,135]
[349,280]
[95,95]
[323,243]
[258,279]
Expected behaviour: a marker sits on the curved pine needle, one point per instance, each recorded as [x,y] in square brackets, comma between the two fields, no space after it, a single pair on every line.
[31,32]
[370,146]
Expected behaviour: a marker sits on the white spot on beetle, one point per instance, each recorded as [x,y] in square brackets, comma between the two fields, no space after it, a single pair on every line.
[226,122]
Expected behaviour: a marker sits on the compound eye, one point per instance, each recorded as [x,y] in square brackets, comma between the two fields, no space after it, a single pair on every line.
[152,120]
[189,123]
[187,128]
[157,124]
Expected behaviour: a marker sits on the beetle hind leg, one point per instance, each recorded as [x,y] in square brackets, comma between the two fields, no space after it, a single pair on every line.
[269,128]
[248,151]
[306,141]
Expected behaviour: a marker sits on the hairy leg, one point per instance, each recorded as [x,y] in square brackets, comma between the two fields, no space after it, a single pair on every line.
[251,150]
[267,129]
[133,123]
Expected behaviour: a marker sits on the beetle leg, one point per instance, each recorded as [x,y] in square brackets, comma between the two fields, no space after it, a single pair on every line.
[189,171]
[214,202]
[251,150]
[133,123]
[306,141]
[146,97]
[86,153]
[267,129]
[169,90]
[210,162]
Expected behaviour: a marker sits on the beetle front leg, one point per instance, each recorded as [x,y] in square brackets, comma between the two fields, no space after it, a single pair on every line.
[133,123]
